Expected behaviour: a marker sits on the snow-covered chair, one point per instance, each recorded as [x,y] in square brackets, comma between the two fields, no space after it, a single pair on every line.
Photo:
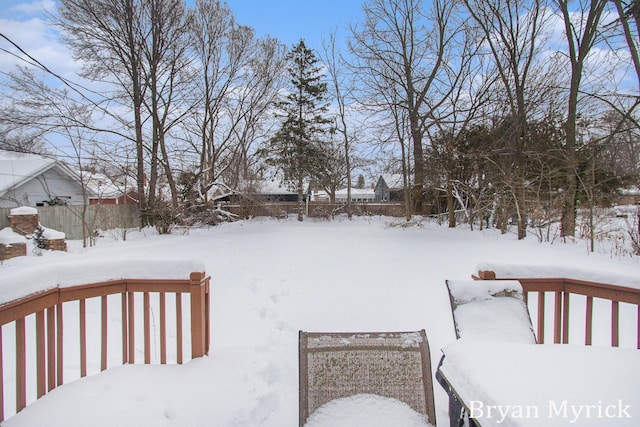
[393,364]
[490,310]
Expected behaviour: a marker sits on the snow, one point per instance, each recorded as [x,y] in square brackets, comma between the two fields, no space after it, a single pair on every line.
[23,210]
[51,234]
[483,315]
[539,385]
[60,270]
[270,279]
[17,167]
[465,291]
[624,275]
[366,410]
[9,237]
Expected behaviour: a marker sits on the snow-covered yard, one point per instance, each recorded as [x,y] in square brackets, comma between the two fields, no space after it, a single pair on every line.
[271,279]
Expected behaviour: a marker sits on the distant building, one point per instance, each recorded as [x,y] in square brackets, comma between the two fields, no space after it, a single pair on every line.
[389,188]
[34,180]
[357,195]
[266,190]
[104,191]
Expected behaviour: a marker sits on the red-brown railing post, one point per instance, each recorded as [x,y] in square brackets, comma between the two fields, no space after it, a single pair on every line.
[51,348]
[565,316]
[21,366]
[40,354]
[163,329]
[59,345]
[1,378]
[179,328]
[541,311]
[638,328]
[557,318]
[615,323]
[147,327]
[125,328]
[104,332]
[132,326]
[83,338]
[198,314]
[588,328]
[207,316]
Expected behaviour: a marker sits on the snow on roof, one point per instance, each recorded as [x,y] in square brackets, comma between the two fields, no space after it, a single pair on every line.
[267,186]
[631,191]
[393,181]
[9,237]
[101,185]
[355,191]
[18,168]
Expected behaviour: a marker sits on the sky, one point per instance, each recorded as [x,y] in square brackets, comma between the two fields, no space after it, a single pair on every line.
[271,278]
[291,20]
[288,20]
[24,23]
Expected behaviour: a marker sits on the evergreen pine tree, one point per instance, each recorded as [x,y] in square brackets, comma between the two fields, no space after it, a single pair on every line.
[296,148]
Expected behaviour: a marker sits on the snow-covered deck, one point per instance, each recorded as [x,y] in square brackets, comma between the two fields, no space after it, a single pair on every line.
[538,385]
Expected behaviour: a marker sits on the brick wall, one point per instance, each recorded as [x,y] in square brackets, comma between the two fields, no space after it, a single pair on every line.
[13,250]
[24,224]
[55,245]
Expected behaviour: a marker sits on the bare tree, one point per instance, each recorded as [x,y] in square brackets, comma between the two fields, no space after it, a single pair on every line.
[106,35]
[340,88]
[405,49]
[512,31]
[581,27]
[165,72]
[237,78]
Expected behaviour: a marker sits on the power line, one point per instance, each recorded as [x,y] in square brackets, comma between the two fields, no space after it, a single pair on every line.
[71,85]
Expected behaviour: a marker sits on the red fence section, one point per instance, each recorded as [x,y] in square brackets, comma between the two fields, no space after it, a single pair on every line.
[48,308]
[562,289]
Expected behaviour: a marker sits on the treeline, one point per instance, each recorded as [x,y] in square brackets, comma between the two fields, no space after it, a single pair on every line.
[509,110]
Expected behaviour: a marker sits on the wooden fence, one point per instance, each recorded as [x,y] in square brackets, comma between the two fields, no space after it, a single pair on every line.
[68,219]
[46,311]
[564,290]
[315,209]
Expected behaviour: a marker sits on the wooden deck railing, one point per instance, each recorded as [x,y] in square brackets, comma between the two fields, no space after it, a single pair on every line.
[562,289]
[48,309]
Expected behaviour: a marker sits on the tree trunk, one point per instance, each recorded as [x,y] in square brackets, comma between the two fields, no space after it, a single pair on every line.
[451,204]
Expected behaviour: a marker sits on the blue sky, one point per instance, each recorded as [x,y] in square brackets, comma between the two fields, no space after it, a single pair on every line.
[291,20]
[287,20]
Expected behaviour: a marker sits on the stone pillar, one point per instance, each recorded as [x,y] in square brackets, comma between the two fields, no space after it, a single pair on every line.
[24,220]
[11,244]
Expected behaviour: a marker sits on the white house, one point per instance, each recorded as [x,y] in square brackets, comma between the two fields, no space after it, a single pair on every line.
[34,180]
[357,195]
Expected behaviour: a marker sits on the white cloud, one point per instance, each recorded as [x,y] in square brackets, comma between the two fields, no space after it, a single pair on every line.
[35,7]
[36,37]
